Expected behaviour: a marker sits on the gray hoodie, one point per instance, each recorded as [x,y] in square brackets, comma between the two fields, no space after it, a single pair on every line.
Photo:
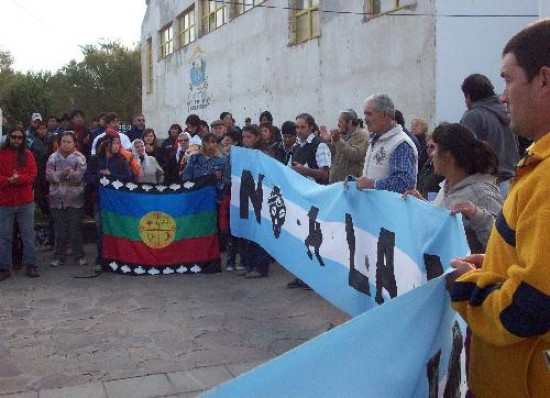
[488,119]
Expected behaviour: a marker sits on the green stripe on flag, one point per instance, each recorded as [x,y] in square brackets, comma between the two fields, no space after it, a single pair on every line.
[194,226]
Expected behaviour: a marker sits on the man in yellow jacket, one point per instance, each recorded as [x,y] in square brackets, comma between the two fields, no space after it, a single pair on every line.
[504,295]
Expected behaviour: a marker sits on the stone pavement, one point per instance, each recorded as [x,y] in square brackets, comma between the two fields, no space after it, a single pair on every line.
[166,336]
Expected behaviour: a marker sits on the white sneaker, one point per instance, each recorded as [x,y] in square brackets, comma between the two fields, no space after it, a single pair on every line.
[229,268]
[82,261]
[239,268]
[56,263]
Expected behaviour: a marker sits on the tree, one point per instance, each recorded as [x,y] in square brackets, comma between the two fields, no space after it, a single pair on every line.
[108,79]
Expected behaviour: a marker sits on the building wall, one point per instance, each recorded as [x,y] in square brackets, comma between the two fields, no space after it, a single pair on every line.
[419,56]
[470,37]
[250,67]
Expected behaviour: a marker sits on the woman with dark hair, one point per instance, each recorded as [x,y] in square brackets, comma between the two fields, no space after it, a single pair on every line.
[65,170]
[469,167]
[170,144]
[151,145]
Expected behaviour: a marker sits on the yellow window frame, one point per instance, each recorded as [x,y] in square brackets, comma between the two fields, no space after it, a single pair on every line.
[307,13]
[212,12]
[397,5]
[166,40]
[149,63]
[186,27]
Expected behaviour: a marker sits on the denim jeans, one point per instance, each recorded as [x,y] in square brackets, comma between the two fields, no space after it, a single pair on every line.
[24,215]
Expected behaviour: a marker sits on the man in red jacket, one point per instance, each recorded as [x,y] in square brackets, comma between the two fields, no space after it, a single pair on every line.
[17,174]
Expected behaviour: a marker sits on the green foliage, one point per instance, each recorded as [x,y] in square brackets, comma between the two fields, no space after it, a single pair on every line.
[107,80]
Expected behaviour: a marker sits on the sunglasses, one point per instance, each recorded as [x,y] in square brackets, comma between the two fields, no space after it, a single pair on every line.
[17,137]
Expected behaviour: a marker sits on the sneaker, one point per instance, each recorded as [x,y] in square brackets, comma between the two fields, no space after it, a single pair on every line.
[5,274]
[229,268]
[241,272]
[297,283]
[254,274]
[98,268]
[56,263]
[239,267]
[81,261]
[32,272]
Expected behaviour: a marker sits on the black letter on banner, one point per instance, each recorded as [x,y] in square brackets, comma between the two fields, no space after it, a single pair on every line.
[452,388]
[315,237]
[385,276]
[356,279]
[249,191]
[277,210]
[434,268]
[433,375]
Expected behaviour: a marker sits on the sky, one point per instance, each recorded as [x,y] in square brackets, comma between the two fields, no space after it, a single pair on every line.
[45,35]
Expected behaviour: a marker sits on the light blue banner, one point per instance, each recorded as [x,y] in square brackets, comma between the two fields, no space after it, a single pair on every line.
[357,249]
[410,347]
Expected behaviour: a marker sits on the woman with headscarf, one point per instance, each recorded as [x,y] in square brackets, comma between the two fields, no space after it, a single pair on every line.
[178,160]
[149,169]
[65,170]
[107,162]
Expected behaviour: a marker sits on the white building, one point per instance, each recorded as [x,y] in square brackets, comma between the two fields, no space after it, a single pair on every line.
[320,56]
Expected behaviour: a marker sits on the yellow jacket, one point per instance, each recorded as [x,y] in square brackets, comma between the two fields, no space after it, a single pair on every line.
[506,303]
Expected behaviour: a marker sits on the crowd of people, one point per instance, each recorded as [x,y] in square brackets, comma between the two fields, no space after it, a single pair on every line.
[466,167]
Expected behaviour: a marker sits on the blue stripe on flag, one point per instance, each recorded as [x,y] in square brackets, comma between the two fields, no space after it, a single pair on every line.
[176,205]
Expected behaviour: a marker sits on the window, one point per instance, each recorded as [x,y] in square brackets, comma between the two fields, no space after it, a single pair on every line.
[149,65]
[166,41]
[240,6]
[378,7]
[305,20]
[186,27]
[213,15]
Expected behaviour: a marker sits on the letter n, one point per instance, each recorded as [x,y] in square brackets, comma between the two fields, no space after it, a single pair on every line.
[385,275]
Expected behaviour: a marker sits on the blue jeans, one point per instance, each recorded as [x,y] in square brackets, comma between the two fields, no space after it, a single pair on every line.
[24,215]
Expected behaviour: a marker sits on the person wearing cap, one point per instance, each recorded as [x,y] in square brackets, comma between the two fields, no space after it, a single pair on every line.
[219,128]
[348,146]
[36,119]
[192,124]
[288,131]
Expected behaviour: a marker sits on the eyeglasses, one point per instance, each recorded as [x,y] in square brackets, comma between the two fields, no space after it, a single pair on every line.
[17,137]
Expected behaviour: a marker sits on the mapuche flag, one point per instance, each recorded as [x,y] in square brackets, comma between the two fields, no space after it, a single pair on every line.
[158,229]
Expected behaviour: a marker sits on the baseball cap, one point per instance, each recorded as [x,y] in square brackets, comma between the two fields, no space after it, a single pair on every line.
[36,116]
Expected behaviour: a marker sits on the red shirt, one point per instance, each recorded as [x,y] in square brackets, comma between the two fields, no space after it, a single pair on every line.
[19,193]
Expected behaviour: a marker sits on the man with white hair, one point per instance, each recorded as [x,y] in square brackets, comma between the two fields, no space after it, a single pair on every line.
[391,162]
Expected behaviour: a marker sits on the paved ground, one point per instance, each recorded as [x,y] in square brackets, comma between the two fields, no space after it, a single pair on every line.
[122,336]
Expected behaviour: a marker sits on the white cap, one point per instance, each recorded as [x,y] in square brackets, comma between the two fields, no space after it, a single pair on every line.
[36,116]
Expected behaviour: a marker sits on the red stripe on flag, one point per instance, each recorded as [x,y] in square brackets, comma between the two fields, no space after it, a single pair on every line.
[181,252]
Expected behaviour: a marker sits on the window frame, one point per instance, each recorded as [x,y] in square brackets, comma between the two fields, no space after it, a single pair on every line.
[313,8]
[149,65]
[220,8]
[182,29]
[397,5]
[166,44]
